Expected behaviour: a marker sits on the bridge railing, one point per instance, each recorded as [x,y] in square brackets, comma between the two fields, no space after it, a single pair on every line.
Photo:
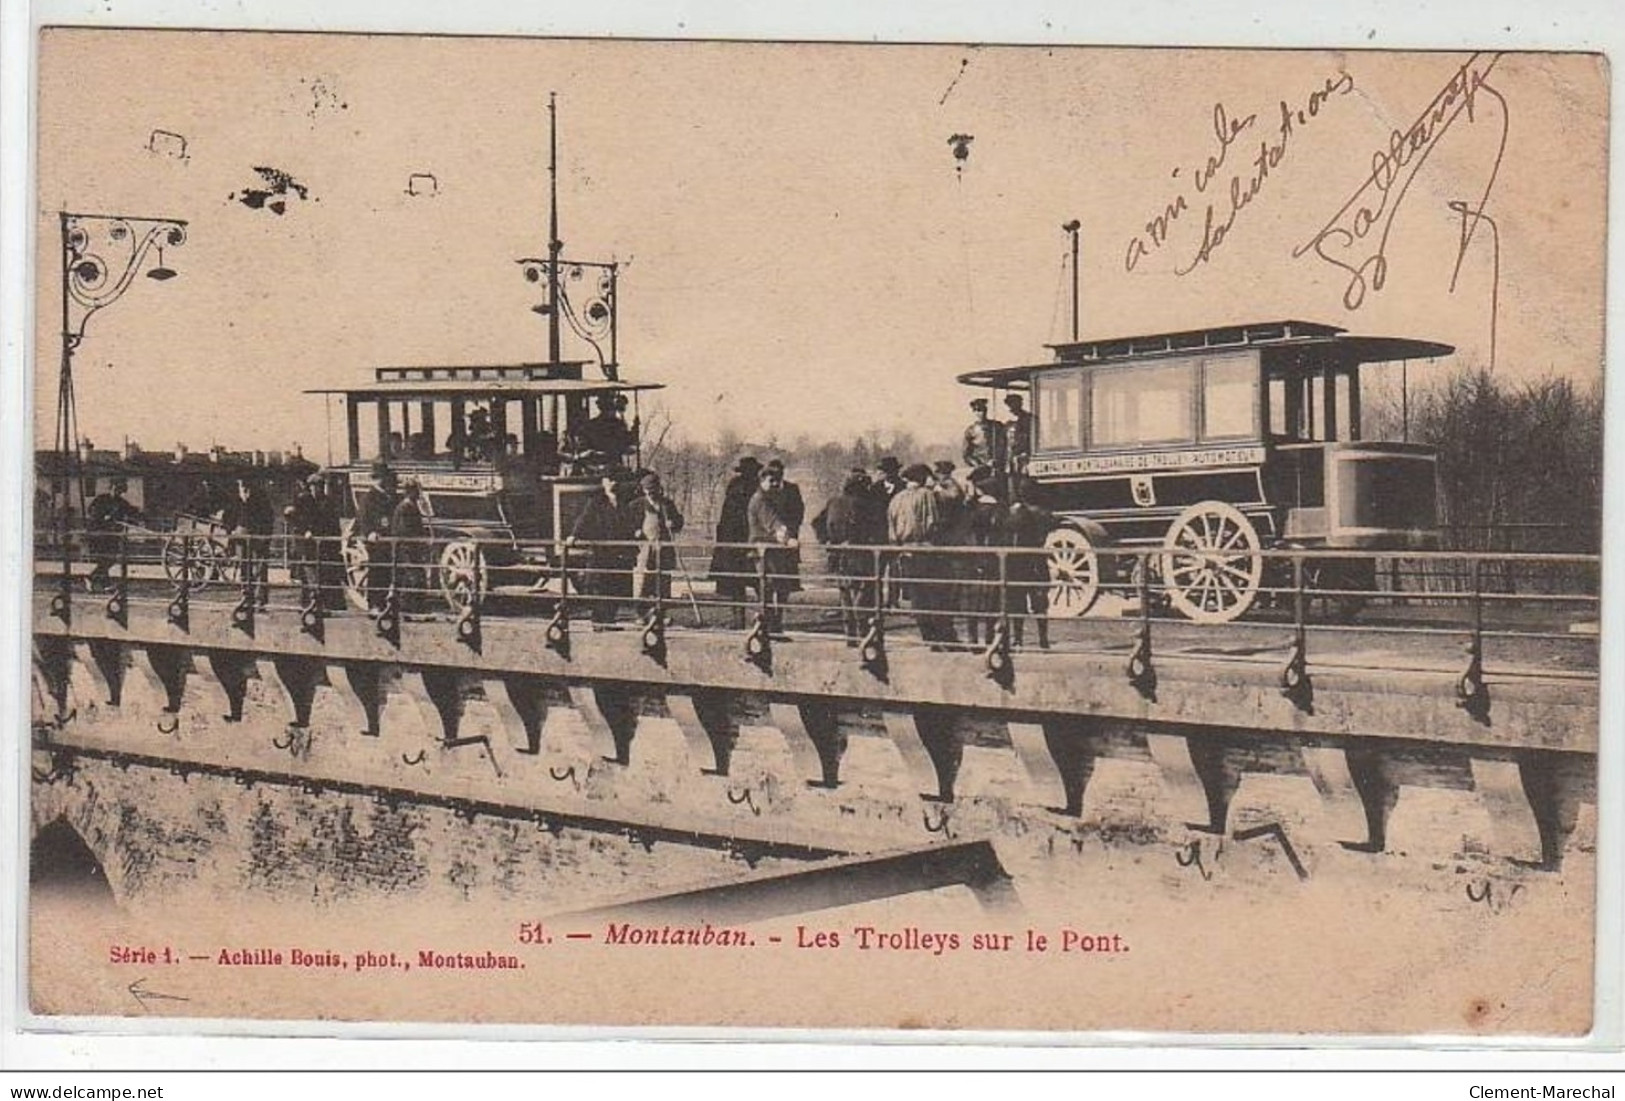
[998,600]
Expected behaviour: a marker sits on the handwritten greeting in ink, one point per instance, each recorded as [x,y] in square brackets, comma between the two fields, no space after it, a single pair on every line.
[1224,203]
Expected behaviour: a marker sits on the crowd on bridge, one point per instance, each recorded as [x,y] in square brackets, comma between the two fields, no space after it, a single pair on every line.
[882,532]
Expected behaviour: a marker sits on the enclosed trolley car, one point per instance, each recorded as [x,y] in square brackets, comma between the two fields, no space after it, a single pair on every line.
[497,452]
[1215,444]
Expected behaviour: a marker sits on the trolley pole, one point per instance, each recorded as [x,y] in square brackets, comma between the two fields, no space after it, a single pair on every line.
[1072,229]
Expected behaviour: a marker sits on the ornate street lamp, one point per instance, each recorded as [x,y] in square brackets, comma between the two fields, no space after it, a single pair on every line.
[579,293]
[102,254]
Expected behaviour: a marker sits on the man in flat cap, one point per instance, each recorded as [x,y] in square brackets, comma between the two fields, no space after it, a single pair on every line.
[657,522]
[106,517]
[915,522]
[306,520]
[775,528]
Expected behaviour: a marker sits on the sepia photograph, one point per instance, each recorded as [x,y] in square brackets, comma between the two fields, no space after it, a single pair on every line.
[812,535]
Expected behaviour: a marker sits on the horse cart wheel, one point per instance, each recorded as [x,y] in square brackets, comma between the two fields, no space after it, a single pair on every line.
[462,575]
[1210,563]
[1074,573]
[204,561]
[356,571]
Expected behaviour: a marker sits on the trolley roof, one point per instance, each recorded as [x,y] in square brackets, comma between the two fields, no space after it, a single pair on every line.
[516,380]
[1267,334]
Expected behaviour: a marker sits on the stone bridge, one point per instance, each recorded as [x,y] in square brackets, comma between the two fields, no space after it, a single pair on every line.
[799,751]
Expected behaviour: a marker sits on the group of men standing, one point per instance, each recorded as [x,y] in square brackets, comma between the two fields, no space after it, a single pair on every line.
[763,509]
[627,529]
[917,511]
[931,517]
[391,520]
[244,513]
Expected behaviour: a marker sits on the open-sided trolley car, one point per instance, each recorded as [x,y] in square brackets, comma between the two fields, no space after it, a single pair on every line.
[502,457]
[1215,444]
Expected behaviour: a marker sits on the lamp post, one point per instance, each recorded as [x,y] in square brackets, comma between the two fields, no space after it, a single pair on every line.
[102,254]
[579,293]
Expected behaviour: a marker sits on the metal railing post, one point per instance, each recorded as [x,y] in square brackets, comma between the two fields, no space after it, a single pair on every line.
[1142,674]
[1295,682]
[872,649]
[180,607]
[118,603]
[558,628]
[62,601]
[1472,694]
[654,626]
[242,616]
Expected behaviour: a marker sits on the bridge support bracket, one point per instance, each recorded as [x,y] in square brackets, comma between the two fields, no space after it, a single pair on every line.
[520,708]
[609,718]
[930,749]
[707,728]
[1198,782]
[358,689]
[815,742]
[1516,822]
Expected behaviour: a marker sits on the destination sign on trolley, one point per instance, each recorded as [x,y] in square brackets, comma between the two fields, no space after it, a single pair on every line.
[437,480]
[1147,460]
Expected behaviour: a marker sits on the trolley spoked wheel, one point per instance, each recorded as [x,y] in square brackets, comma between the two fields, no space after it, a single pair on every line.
[1211,567]
[462,575]
[1074,573]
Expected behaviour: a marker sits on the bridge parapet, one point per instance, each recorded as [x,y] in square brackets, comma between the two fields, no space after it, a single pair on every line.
[745,743]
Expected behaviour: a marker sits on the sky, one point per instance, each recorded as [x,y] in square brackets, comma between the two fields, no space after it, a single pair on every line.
[803,253]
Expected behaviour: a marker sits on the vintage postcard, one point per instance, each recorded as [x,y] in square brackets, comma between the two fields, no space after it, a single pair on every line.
[627,533]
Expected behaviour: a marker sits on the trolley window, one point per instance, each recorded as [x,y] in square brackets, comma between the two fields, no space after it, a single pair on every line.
[1059,397]
[1229,398]
[1142,404]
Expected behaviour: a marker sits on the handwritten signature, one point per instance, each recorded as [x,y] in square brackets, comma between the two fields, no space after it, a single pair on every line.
[1242,189]
[1355,239]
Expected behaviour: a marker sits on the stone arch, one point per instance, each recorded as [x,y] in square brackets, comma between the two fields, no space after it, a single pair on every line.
[60,860]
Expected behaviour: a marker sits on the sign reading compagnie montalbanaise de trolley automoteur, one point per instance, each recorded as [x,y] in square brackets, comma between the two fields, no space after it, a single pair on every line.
[1147,460]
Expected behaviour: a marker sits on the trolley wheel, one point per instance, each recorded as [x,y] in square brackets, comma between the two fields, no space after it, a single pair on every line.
[1211,565]
[356,572]
[462,575]
[1074,573]
[199,569]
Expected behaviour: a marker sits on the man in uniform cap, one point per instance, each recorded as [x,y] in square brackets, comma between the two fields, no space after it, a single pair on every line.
[985,441]
[1019,432]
